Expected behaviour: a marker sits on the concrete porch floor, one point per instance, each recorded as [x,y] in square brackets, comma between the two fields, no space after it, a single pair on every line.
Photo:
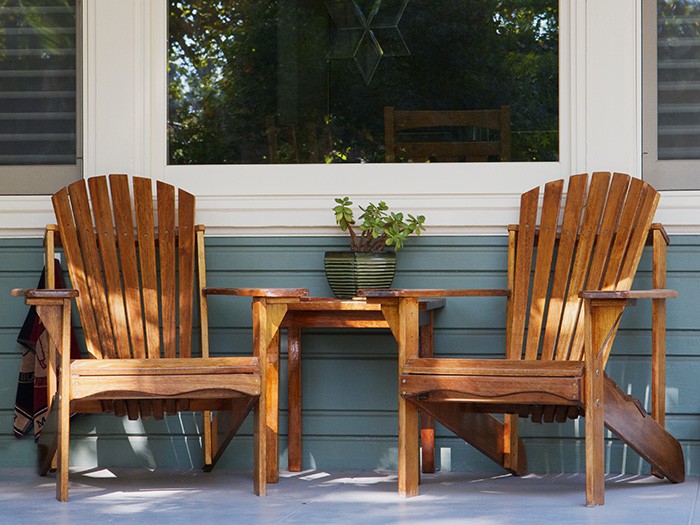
[353,497]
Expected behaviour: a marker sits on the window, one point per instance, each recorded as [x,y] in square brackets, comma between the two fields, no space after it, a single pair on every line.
[311,81]
[39,117]
[671,89]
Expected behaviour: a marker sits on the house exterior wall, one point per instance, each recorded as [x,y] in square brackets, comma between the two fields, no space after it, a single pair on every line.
[271,225]
[349,387]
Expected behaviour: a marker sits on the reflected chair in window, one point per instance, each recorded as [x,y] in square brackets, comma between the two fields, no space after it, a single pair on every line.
[571,263]
[447,136]
[137,266]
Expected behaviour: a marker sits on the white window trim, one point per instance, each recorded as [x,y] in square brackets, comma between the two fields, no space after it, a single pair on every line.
[125,115]
[456,197]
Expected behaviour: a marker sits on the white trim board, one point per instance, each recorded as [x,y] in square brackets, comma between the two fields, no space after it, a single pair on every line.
[267,216]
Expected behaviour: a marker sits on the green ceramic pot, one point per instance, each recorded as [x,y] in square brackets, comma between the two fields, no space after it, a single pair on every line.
[348,272]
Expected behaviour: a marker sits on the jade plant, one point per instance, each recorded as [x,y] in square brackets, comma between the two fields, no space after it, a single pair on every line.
[377,226]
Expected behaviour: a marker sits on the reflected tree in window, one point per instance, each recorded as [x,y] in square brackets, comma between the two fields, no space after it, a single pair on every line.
[253,81]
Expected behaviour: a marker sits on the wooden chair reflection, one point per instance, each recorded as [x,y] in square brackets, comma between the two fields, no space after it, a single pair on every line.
[447,136]
[570,270]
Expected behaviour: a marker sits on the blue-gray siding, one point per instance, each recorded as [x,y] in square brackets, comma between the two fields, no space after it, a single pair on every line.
[349,388]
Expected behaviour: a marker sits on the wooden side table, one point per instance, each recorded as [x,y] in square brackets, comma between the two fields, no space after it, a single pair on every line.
[316,312]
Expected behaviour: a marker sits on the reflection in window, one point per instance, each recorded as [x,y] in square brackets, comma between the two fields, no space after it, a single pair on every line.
[298,81]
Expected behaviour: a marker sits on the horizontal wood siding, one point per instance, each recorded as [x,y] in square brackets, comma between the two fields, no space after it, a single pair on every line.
[349,388]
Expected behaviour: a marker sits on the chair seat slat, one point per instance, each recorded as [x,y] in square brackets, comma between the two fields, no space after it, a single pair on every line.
[493,367]
[165,366]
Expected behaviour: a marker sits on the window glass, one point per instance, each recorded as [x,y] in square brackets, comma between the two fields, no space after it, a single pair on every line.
[39,96]
[298,81]
[671,93]
[38,82]
[678,80]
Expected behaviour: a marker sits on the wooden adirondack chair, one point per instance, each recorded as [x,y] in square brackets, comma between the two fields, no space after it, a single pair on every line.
[133,272]
[569,280]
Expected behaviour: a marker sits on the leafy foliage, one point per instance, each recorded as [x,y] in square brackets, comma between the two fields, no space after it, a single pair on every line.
[379,227]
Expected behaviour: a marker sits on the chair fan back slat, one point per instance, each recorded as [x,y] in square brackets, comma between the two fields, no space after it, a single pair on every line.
[92,266]
[186,235]
[168,267]
[575,200]
[145,233]
[78,276]
[595,204]
[608,231]
[523,266]
[622,235]
[130,300]
[642,223]
[124,230]
[614,206]
[601,239]
[104,225]
[543,264]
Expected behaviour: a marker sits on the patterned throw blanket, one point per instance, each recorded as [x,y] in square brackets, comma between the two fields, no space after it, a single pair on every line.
[31,400]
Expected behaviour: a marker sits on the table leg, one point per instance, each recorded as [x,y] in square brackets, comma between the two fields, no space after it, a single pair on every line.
[294,398]
[427,423]
[272,404]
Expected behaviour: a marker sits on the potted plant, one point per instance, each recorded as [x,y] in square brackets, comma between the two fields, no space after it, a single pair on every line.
[368,263]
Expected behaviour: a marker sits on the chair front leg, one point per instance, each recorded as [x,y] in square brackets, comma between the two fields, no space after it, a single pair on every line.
[601,320]
[409,464]
[62,452]
[267,317]
[403,319]
[56,319]
[260,466]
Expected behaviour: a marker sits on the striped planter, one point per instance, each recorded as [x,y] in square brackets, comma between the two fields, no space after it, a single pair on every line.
[348,272]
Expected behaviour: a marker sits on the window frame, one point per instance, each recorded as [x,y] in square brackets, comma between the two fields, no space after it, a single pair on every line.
[662,174]
[334,179]
[124,104]
[46,179]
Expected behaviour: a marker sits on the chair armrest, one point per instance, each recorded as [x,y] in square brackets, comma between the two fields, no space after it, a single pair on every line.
[381,294]
[49,293]
[257,292]
[656,293]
